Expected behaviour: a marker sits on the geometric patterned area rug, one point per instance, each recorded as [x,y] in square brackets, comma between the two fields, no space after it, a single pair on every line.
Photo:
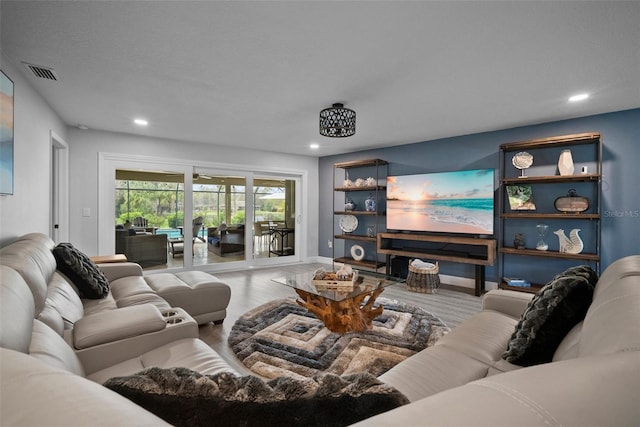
[282,338]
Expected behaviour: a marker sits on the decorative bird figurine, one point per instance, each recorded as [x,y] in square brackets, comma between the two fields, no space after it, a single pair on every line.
[572,244]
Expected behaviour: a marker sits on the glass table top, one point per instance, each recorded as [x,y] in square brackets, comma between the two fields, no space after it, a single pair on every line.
[366,282]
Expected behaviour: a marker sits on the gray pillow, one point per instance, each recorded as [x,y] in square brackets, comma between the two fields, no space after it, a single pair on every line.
[186,398]
[551,314]
[84,273]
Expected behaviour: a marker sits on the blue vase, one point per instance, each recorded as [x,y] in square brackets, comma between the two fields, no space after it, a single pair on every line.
[370,204]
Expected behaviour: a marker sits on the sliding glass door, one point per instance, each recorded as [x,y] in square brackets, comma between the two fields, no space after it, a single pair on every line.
[274,217]
[149,217]
[219,220]
[177,216]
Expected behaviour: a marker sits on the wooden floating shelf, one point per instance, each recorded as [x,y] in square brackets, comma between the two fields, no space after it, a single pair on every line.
[533,289]
[552,178]
[359,237]
[367,188]
[550,254]
[554,141]
[360,163]
[531,215]
[357,213]
[363,263]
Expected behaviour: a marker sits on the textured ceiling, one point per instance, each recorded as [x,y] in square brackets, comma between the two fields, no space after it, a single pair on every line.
[257,74]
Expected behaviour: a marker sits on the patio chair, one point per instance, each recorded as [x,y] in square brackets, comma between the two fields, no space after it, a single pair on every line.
[197,226]
[141,225]
[261,233]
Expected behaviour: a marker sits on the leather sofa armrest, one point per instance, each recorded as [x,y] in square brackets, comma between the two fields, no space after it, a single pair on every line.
[179,325]
[511,303]
[115,325]
[114,271]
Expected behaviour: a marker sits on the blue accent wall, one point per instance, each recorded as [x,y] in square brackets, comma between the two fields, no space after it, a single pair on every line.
[621,177]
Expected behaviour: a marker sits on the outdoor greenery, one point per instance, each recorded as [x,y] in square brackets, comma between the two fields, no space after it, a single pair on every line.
[162,204]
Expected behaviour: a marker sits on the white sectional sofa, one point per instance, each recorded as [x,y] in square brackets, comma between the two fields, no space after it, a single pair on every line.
[131,328]
[593,379]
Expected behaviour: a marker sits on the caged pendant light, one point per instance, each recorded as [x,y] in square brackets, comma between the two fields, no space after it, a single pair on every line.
[337,121]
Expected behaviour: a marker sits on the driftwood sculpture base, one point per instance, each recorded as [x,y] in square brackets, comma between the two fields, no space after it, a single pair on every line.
[348,315]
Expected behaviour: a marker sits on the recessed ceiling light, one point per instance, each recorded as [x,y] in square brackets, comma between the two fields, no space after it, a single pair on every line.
[314,146]
[82,127]
[579,97]
[141,122]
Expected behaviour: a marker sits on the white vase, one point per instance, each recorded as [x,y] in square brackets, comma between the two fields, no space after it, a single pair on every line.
[565,163]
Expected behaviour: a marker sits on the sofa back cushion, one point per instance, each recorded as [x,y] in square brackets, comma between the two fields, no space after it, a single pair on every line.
[31,256]
[16,311]
[19,330]
[52,349]
[612,323]
[63,297]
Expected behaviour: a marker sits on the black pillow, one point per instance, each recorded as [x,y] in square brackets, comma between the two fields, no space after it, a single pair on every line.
[83,272]
[186,398]
[557,307]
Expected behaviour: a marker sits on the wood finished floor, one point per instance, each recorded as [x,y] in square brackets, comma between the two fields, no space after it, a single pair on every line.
[253,287]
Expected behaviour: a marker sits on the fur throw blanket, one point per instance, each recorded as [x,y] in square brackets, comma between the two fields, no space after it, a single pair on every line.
[186,398]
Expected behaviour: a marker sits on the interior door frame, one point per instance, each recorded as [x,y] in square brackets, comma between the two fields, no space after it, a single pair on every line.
[59,192]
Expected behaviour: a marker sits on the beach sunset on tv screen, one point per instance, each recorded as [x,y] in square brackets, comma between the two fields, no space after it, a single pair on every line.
[447,202]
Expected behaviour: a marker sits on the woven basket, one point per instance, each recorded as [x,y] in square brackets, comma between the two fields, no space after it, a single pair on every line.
[424,280]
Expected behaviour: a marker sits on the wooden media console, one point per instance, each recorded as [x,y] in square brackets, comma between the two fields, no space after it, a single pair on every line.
[467,250]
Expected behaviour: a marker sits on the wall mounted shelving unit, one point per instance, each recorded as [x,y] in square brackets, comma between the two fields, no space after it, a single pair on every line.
[547,185]
[344,241]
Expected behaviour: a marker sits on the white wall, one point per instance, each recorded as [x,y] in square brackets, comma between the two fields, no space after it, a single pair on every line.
[28,209]
[84,147]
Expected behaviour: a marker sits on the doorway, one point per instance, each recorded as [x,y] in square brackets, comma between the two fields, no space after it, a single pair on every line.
[59,218]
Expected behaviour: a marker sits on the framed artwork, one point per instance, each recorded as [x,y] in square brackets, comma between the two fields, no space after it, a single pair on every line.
[520,198]
[6,134]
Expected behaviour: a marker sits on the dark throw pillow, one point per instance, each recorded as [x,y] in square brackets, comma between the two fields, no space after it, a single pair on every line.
[83,272]
[186,398]
[552,313]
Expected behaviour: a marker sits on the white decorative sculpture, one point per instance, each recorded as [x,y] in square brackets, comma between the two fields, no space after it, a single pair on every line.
[572,244]
[565,163]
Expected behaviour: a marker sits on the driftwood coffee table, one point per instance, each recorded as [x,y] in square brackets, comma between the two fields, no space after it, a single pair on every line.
[341,308]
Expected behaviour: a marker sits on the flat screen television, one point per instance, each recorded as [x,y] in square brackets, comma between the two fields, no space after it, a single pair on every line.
[460,202]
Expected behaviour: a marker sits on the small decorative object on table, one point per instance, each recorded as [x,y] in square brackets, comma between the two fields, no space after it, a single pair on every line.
[572,244]
[571,203]
[357,252]
[522,161]
[348,223]
[342,280]
[423,277]
[518,241]
[565,163]
[371,231]
[349,205]
[542,232]
[370,204]
[514,281]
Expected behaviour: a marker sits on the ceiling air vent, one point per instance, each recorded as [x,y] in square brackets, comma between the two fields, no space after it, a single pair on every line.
[42,72]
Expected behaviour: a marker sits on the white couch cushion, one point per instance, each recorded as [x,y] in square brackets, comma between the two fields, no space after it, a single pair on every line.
[52,349]
[189,353]
[37,394]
